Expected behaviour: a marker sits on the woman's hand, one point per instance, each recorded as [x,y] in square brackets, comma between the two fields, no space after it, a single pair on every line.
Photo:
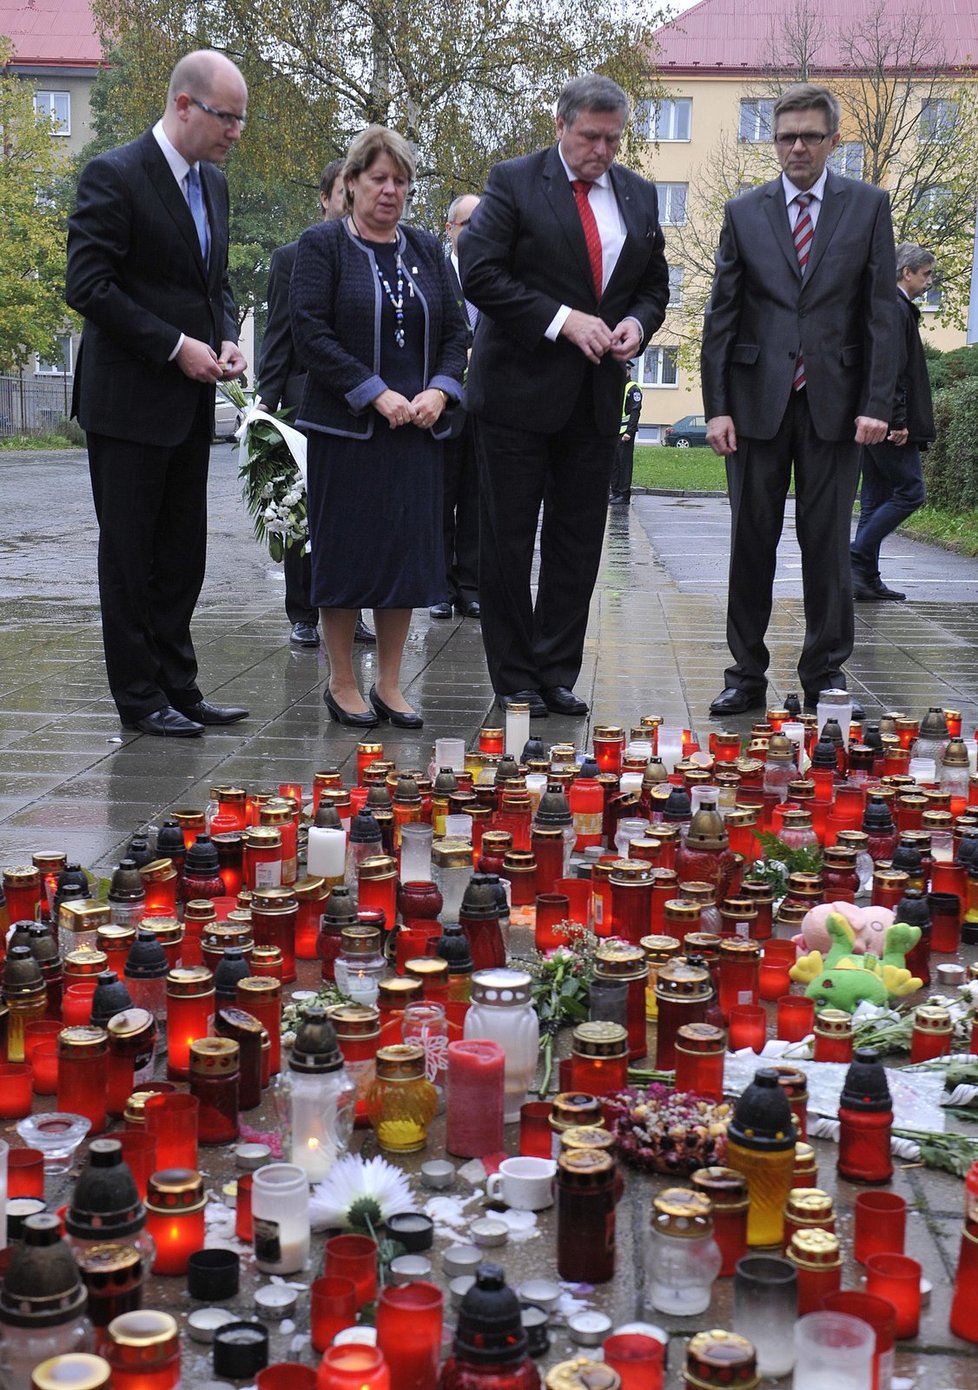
[395,408]
[428,406]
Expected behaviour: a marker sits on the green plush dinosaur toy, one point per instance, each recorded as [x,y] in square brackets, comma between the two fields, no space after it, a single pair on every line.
[843,979]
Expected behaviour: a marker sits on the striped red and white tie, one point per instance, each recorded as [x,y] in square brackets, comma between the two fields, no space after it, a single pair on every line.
[802,237]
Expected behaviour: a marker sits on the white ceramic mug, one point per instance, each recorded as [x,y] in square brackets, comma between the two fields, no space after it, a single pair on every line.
[523,1183]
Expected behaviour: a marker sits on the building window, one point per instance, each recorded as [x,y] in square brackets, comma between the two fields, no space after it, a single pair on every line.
[659,367]
[938,119]
[931,299]
[56,106]
[664,120]
[675,287]
[930,211]
[59,365]
[847,159]
[672,204]
[757,120]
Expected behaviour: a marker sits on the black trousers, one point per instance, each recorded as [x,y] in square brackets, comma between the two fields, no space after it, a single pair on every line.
[758,475]
[531,645]
[297,565]
[461,517]
[151,504]
[621,474]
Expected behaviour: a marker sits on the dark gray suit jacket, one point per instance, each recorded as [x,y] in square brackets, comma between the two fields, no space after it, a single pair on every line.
[841,315]
[136,273]
[522,256]
[279,378]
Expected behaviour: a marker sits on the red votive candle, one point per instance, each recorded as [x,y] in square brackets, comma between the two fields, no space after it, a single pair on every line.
[880,1315]
[76,1005]
[639,1360]
[172,1120]
[139,1153]
[475,1098]
[552,908]
[577,891]
[409,1321]
[536,1136]
[333,1306]
[354,1257]
[353,1366]
[15,1090]
[175,1205]
[286,1375]
[748,1027]
[897,1279]
[796,1017]
[44,1066]
[25,1173]
[945,922]
[880,1225]
[243,1228]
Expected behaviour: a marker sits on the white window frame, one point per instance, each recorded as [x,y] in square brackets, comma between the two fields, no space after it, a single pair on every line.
[46,103]
[65,368]
[938,118]
[668,193]
[661,355]
[847,159]
[761,112]
[663,121]
[677,274]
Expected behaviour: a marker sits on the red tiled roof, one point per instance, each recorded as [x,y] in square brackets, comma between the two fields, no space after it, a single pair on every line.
[51,32]
[727,36]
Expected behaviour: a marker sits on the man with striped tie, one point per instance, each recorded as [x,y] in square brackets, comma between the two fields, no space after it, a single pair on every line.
[798,368]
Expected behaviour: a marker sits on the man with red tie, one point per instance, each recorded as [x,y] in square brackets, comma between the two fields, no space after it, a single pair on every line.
[564,258]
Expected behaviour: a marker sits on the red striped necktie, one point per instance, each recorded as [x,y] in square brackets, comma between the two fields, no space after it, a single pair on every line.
[802,237]
[592,236]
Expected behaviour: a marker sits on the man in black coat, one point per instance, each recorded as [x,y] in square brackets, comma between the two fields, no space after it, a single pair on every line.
[564,258]
[280,381]
[893,473]
[147,268]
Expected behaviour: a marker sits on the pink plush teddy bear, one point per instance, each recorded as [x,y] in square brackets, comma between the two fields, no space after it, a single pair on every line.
[868,924]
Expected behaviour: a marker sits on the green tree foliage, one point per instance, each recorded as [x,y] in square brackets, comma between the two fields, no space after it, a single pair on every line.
[32,234]
[951,463]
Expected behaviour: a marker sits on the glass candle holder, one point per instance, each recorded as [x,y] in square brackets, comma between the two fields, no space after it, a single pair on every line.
[551,910]
[280,1218]
[143,1349]
[25,1173]
[832,1349]
[332,1306]
[536,1137]
[286,1375]
[879,1314]
[897,1279]
[638,1360]
[409,1324]
[175,1203]
[353,1366]
[748,1027]
[880,1224]
[796,1017]
[44,1067]
[355,1258]
[172,1120]
[139,1154]
[15,1090]
[765,1310]
[243,1228]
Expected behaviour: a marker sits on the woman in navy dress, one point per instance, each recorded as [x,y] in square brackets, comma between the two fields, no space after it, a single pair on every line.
[376,321]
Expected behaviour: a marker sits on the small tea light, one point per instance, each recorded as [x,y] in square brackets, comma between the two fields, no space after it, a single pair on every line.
[273,1302]
[413,1229]
[437,1174]
[204,1322]
[543,1292]
[248,1157]
[488,1233]
[366,1336]
[407,1268]
[926,1289]
[950,974]
[458,1288]
[461,1259]
[588,1329]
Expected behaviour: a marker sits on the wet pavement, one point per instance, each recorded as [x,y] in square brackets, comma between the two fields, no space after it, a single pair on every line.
[72,779]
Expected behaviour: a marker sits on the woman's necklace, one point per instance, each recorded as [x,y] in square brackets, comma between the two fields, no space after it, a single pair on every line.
[396,300]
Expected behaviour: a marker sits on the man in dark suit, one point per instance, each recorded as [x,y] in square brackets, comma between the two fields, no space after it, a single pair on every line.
[798,366]
[564,258]
[280,381]
[147,268]
[461,500]
[893,472]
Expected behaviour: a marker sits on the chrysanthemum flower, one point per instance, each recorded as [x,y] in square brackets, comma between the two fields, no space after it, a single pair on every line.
[359,1195]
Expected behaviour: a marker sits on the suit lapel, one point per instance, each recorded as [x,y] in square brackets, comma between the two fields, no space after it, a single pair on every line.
[833,206]
[636,226]
[560,195]
[776,210]
[172,199]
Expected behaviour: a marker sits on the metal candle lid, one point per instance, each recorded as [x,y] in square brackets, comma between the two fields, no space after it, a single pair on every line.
[721,1358]
[501,988]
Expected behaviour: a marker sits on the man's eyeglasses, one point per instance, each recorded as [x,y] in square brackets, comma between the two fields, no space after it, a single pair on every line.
[227,118]
[811,139]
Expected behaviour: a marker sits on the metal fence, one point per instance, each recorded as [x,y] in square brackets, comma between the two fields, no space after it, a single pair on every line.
[33,404]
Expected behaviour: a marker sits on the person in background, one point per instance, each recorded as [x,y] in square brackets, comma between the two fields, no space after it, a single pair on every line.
[280,381]
[376,322]
[461,470]
[893,472]
[631,410]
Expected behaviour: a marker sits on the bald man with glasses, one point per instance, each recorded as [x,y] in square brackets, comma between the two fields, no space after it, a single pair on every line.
[798,369]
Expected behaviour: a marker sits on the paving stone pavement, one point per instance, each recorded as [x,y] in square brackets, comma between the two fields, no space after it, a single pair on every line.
[71,779]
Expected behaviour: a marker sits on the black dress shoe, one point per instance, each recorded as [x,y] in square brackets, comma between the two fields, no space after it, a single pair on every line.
[619,499]
[206,713]
[167,723]
[562,700]
[468,608]
[367,720]
[538,710]
[304,635]
[738,700]
[362,633]
[872,590]
[440,610]
[399,718]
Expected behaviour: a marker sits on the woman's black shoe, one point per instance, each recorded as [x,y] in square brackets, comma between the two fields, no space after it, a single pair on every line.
[399,718]
[367,720]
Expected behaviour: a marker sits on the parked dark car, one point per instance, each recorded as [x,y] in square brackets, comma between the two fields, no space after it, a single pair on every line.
[687,433]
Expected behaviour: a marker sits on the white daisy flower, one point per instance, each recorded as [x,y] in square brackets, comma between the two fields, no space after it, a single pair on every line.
[359,1194]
